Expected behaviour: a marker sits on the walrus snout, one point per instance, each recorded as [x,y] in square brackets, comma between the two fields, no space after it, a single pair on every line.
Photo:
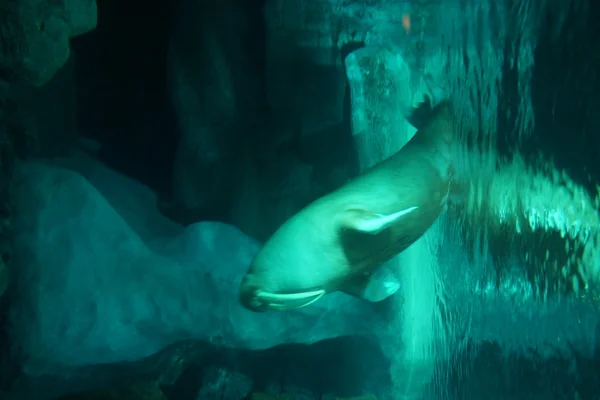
[257,299]
[249,297]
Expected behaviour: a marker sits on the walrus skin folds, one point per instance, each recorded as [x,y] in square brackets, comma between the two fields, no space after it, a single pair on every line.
[337,242]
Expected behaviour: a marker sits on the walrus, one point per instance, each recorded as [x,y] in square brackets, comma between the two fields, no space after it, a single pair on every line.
[340,240]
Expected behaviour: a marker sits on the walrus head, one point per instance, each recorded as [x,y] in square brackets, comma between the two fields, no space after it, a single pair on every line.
[309,257]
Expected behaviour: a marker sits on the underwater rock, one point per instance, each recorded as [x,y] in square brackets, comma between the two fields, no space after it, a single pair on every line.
[35,36]
[218,383]
[380,86]
[278,396]
[236,159]
[366,397]
[4,277]
[268,396]
[301,55]
[217,99]
[138,391]
[91,290]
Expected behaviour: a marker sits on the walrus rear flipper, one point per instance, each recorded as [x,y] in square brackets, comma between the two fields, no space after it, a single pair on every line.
[374,288]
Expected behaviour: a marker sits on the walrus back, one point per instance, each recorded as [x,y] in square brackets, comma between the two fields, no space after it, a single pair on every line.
[419,175]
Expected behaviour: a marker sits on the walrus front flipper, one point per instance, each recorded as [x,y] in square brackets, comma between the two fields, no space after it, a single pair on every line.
[289,301]
[419,116]
[374,288]
[371,222]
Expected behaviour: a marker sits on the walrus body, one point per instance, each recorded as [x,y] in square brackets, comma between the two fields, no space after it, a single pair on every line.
[339,241]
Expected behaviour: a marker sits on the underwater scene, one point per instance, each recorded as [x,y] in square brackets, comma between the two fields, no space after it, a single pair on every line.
[299,200]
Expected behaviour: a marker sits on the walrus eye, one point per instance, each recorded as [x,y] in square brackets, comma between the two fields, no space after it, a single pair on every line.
[289,301]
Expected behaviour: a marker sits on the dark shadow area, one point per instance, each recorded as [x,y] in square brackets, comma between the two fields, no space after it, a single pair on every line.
[486,370]
[342,366]
[565,88]
[122,89]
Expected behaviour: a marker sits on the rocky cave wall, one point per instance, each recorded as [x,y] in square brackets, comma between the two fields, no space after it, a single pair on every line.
[34,47]
[277,133]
